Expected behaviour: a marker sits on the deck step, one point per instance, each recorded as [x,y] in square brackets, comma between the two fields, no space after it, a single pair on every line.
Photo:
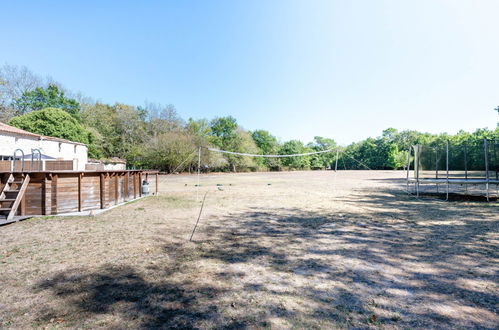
[7,200]
[11,193]
[5,209]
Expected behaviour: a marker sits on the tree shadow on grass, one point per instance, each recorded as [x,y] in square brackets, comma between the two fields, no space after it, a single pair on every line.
[413,256]
[123,291]
[395,262]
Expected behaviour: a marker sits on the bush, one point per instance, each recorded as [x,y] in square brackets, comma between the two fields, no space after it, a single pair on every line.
[56,123]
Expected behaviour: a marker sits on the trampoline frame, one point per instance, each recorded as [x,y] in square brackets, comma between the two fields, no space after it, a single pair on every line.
[417,180]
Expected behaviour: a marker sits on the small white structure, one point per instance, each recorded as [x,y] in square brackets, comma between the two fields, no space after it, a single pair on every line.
[112,164]
[12,138]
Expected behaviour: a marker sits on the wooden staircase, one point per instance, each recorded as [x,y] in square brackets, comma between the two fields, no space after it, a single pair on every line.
[11,196]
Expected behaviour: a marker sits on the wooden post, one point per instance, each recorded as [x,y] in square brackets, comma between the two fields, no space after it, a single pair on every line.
[116,178]
[125,187]
[156,184]
[80,176]
[53,194]
[134,185]
[23,202]
[140,184]
[43,196]
[46,194]
[101,190]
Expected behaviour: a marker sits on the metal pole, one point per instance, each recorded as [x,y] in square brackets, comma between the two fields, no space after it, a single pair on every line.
[336,165]
[466,168]
[496,165]
[417,154]
[199,173]
[408,168]
[486,149]
[436,166]
[14,160]
[447,168]
[495,160]
[436,163]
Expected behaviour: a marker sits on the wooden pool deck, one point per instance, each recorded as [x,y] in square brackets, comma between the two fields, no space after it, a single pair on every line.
[39,193]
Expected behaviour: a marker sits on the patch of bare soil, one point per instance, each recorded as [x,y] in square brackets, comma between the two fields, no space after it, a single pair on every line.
[272,250]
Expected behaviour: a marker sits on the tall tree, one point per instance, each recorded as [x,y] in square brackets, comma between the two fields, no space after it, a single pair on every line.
[224,132]
[295,147]
[14,81]
[161,119]
[50,97]
[323,160]
[101,119]
[268,144]
[56,123]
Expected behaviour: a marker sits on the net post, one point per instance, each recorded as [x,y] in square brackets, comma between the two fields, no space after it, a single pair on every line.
[447,167]
[466,167]
[436,167]
[417,155]
[436,163]
[408,169]
[486,150]
[495,159]
[199,173]
[336,165]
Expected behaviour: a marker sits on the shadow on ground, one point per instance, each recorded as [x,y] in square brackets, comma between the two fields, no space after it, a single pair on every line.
[388,260]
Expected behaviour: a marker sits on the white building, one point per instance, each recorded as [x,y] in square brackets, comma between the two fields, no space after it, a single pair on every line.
[12,138]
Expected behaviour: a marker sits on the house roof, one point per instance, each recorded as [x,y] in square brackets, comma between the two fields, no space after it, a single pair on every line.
[4,128]
[15,130]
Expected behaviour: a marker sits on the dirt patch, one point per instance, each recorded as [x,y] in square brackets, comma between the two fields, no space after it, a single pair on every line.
[302,249]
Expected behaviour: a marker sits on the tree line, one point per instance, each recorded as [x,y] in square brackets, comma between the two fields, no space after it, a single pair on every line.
[154,136]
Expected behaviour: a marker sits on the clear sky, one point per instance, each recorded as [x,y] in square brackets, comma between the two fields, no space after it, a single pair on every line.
[339,69]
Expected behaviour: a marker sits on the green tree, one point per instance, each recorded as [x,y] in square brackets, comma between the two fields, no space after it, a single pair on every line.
[50,97]
[56,123]
[200,128]
[160,119]
[130,132]
[265,141]
[101,119]
[224,135]
[295,147]
[396,159]
[323,160]
[224,132]
[267,145]
[168,150]
[120,129]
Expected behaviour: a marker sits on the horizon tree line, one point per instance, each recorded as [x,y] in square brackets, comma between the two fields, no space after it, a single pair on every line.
[155,136]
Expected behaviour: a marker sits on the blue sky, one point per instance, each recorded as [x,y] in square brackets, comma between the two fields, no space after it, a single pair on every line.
[339,69]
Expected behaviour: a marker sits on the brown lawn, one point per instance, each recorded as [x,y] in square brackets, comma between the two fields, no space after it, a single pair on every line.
[272,250]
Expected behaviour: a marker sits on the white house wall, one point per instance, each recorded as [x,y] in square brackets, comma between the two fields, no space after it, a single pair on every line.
[56,149]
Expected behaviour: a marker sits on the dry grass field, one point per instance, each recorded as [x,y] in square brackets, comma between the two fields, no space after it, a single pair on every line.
[272,250]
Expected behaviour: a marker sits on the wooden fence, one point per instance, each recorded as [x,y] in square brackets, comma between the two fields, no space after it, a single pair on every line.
[5,165]
[46,165]
[59,165]
[62,192]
